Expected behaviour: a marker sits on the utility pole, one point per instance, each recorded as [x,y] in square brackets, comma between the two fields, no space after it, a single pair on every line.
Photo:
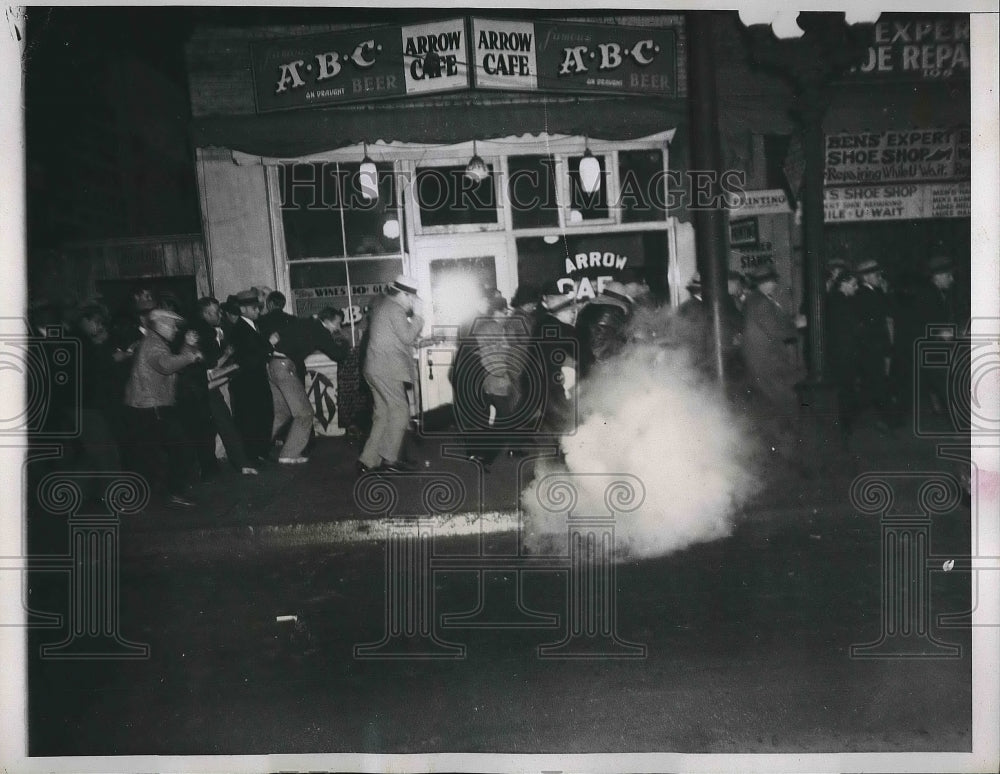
[710,221]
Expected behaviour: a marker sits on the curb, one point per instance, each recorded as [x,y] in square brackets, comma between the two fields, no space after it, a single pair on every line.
[250,538]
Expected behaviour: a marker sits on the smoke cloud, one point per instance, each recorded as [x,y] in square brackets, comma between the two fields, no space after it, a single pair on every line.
[651,415]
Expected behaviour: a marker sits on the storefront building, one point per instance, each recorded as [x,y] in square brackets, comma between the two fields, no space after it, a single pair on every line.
[453,147]
[457,149]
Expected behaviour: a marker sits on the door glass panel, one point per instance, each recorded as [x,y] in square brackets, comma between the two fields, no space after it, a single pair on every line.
[457,286]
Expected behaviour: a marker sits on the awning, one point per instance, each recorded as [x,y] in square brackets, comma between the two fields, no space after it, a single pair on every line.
[305,132]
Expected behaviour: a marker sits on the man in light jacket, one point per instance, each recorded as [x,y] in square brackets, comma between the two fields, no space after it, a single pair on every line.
[150,397]
[388,368]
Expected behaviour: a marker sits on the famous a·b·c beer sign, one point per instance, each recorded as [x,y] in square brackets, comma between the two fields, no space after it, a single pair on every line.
[359,65]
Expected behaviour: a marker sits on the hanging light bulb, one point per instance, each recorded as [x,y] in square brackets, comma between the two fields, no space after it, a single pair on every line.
[390,228]
[590,171]
[476,169]
[368,177]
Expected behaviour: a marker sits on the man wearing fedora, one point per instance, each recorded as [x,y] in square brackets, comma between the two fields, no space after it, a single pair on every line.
[942,318]
[388,368]
[249,387]
[874,341]
[769,338]
[150,398]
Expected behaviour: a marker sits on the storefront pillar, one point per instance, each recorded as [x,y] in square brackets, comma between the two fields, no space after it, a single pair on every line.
[710,221]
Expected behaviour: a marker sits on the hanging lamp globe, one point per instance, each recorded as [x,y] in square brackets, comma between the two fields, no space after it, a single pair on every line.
[590,172]
[476,170]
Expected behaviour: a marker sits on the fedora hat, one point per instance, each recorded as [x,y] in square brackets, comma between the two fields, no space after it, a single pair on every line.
[867,267]
[940,264]
[247,297]
[694,284]
[405,284]
[763,273]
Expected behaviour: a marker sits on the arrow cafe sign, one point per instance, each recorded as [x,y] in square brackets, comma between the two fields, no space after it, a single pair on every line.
[375,63]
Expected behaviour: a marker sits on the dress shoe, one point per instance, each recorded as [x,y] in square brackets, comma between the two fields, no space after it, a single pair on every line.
[293,460]
[362,468]
[396,467]
[248,471]
[179,501]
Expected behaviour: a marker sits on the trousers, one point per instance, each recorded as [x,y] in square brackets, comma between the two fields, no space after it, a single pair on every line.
[291,403]
[389,422]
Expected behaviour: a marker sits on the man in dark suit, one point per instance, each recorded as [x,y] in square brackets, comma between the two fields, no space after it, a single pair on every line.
[275,318]
[249,388]
[217,354]
[943,317]
[772,366]
[874,344]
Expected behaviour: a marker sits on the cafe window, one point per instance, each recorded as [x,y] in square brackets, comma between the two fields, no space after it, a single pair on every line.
[448,198]
[328,211]
[641,186]
[531,191]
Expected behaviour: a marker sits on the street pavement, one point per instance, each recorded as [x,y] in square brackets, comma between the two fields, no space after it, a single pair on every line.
[253,606]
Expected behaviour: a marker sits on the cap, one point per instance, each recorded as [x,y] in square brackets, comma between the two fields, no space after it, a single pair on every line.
[939,264]
[156,315]
[247,297]
[405,284]
[867,267]
[763,273]
[836,263]
[615,291]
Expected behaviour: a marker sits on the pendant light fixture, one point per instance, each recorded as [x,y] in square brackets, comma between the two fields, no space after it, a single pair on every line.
[590,170]
[476,170]
[368,177]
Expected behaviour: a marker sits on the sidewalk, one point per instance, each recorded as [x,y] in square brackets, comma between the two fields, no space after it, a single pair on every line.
[318,502]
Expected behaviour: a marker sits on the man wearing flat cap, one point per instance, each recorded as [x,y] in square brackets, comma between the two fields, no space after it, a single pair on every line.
[150,397]
[388,368]
[874,342]
[249,388]
[601,326]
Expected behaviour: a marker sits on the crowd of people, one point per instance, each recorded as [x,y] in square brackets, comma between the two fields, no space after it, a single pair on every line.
[163,387]
[871,331]
[160,385]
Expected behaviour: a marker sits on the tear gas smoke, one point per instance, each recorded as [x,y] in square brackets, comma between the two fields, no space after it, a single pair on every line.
[649,413]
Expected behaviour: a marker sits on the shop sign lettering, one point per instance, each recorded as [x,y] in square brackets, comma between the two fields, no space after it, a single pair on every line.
[896,202]
[434,56]
[574,57]
[925,47]
[505,54]
[898,155]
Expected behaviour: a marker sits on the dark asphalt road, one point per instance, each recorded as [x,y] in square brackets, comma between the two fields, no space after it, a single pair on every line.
[747,651]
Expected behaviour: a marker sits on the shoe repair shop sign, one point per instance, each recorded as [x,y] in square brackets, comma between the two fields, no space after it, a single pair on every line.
[924,47]
[375,63]
[898,155]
